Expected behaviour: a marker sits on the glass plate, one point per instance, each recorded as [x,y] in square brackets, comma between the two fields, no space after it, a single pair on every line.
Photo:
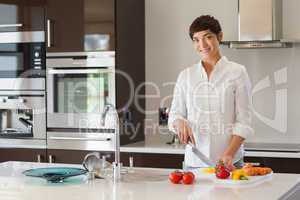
[55,174]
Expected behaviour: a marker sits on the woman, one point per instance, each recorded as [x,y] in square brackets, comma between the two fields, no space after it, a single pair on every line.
[211,102]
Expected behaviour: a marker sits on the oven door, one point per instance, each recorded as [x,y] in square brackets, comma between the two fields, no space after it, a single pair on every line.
[22,55]
[76,97]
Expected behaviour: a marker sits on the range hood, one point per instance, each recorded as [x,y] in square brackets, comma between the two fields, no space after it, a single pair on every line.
[260,25]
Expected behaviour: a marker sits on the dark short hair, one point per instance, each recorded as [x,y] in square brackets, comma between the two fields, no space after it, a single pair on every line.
[205,22]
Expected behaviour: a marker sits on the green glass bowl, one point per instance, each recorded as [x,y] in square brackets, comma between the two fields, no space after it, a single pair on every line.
[55,174]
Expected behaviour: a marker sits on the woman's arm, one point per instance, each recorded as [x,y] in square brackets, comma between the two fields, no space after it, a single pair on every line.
[177,116]
[234,145]
[242,126]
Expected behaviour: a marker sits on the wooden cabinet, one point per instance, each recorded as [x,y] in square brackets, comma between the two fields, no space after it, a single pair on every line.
[77,156]
[97,25]
[139,159]
[279,165]
[22,154]
[80,25]
[130,65]
[153,160]
[20,15]
[72,156]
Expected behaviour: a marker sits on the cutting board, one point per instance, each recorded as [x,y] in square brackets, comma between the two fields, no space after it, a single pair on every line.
[253,180]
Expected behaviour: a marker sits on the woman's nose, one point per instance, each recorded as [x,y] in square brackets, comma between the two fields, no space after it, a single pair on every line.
[202,43]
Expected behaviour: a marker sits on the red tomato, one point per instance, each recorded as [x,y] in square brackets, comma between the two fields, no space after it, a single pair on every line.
[175,177]
[222,174]
[190,173]
[221,171]
[188,178]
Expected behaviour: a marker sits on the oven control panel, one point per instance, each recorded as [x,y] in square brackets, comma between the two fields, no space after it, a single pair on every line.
[37,55]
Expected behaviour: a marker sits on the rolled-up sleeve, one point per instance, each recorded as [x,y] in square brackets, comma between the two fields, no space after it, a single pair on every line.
[243,112]
[178,108]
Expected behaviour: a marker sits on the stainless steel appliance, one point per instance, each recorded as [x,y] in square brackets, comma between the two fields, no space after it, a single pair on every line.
[22,55]
[264,29]
[22,114]
[79,85]
[22,89]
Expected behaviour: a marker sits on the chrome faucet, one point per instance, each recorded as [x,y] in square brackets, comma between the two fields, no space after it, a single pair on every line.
[117,164]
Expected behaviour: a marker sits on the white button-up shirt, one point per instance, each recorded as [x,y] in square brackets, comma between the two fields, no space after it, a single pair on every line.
[215,108]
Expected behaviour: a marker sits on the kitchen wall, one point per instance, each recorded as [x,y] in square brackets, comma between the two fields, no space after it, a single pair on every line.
[275,73]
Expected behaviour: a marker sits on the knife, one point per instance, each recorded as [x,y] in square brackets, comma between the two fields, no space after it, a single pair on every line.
[201,156]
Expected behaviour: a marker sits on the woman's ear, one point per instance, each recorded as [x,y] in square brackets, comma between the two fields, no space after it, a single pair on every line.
[220,36]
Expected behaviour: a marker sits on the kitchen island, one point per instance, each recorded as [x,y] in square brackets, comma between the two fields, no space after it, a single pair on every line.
[140,183]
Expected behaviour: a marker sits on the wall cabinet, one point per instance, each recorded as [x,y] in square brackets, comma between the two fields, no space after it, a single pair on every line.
[86,25]
[20,15]
[22,154]
[97,25]
[130,65]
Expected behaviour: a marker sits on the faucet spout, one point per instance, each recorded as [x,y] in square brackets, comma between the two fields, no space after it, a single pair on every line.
[117,165]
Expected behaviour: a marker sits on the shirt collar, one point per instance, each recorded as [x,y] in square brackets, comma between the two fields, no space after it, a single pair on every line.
[221,62]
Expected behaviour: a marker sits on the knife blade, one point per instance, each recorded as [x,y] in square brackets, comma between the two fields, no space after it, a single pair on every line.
[201,156]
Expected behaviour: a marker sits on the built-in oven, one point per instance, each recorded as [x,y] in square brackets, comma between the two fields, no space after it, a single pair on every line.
[22,55]
[78,87]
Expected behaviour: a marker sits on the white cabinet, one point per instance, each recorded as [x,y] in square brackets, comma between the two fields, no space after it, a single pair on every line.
[290,19]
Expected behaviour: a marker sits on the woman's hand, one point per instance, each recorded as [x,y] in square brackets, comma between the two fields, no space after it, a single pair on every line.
[184,131]
[228,162]
[234,144]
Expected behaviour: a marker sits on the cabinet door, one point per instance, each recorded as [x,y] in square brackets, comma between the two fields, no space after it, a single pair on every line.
[130,63]
[72,156]
[173,161]
[279,165]
[80,25]
[20,15]
[19,154]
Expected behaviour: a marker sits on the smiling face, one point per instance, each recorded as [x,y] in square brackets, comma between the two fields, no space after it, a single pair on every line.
[207,44]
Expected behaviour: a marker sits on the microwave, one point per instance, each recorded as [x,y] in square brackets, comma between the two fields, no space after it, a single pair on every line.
[22,55]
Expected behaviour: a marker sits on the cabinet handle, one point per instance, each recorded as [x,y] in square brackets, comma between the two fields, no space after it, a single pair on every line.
[39,158]
[130,162]
[49,33]
[10,25]
[254,163]
[81,138]
[51,159]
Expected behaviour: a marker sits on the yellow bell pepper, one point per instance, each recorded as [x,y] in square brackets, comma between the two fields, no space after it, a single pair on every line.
[239,174]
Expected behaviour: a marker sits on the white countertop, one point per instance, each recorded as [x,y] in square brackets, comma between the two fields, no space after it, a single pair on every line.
[141,184]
